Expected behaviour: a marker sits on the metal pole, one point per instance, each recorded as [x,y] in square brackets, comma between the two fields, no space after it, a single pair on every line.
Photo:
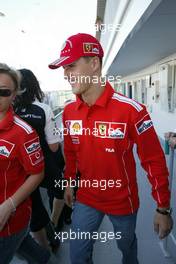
[164,243]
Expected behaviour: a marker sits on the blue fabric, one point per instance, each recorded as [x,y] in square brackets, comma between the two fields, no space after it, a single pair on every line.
[87,219]
[10,244]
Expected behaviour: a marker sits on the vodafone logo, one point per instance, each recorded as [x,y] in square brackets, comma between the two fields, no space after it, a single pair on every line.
[32,145]
[144,124]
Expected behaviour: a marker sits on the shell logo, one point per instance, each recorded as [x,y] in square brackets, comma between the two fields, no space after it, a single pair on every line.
[76,127]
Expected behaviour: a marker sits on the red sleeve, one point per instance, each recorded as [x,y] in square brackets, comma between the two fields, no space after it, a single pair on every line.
[30,154]
[151,156]
[69,152]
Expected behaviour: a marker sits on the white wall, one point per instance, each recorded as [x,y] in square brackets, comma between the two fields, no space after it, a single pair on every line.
[163,120]
[127,13]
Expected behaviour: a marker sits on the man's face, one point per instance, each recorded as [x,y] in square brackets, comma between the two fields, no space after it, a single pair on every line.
[6,87]
[79,75]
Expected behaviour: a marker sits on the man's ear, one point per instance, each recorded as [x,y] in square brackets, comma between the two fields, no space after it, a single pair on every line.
[95,63]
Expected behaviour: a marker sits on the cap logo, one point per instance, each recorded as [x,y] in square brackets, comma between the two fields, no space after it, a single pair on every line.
[87,47]
[69,46]
[91,48]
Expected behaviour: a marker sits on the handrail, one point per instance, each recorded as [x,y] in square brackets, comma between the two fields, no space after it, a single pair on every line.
[59,114]
[164,243]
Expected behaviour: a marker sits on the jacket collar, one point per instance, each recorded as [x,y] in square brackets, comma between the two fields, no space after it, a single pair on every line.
[101,101]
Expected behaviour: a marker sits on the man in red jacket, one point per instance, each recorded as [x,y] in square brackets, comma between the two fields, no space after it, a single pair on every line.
[101,128]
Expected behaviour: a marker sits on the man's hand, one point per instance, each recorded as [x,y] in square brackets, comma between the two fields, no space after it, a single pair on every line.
[167,135]
[163,225]
[172,142]
[171,138]
[69,196]
[6,210]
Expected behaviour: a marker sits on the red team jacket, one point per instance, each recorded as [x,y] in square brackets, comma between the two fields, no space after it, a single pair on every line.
[20,156]
[98,142]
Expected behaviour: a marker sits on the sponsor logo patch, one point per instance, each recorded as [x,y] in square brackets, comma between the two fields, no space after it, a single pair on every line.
[75,140]
[75,127]
[90,48]
[102,129]
[32,145]
[110,150]
[6,148]
[36,157]
[144,124]
[110,129]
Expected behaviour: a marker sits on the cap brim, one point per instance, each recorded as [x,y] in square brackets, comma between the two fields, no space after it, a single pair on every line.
[59,62]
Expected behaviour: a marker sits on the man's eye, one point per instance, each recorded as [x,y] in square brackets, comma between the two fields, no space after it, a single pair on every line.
[71,65]
[68,67]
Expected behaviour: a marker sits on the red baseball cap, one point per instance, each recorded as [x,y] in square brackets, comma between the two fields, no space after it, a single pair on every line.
[76,46]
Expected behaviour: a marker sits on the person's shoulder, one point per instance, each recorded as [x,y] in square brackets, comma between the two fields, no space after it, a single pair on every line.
[42,105]
[69,104]
[44,108]
[22,127]
[127,102]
